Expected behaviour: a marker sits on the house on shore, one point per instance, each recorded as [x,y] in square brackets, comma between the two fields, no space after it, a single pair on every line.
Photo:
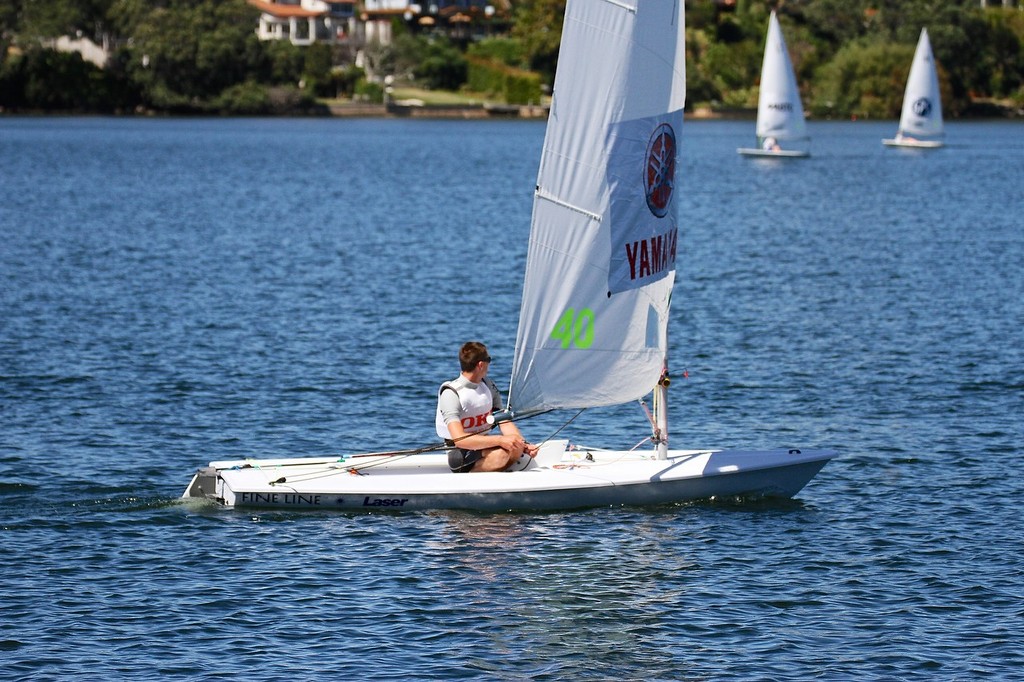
[307,21]
[304,22]
[346,22]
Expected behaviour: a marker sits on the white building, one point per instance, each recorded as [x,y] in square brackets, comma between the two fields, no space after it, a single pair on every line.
[304,22]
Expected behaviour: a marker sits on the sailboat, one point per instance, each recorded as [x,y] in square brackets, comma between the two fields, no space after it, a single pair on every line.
[921,117]
[780,114]
[594,315]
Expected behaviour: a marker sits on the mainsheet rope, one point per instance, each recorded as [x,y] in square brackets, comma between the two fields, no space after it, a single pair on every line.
[380,458]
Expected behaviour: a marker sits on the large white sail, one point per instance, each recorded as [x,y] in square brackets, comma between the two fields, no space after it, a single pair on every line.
[780,113]
[922,105]
[604,236]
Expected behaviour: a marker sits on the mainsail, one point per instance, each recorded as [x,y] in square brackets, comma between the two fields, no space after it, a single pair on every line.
[779,111]
[922,105]
[604,236]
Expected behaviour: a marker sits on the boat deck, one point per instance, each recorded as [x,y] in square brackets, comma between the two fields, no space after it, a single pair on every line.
[557,478]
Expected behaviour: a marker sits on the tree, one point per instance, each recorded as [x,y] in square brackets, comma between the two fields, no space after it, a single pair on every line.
[443,66]
[188,53]
[47,80]
[61,17]
[316,71]
[202,55]
[538,26]
[865,79]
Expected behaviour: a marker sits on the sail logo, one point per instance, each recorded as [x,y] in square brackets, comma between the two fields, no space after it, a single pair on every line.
[651,256]
[781,106]
[922,107]
[642,215]
[660,173]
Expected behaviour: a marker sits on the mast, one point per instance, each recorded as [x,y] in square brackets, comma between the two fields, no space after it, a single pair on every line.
[660,436]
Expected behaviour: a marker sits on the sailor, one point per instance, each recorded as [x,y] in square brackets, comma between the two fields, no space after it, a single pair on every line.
[771,145]
[464,419]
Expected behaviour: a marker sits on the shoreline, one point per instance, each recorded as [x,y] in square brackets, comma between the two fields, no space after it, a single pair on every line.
[980,112]
[983,111]
[403,110]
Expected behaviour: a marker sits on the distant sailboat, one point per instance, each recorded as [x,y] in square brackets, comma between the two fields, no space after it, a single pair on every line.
[921,118]
[780,115]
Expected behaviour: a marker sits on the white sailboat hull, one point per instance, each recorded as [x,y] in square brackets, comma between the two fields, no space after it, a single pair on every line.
[913,144]
[559,479]
[778,153]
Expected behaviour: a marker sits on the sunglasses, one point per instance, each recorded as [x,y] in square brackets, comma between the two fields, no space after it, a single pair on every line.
[485,359]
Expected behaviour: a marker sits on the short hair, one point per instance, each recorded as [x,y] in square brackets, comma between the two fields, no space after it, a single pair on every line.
[470,354]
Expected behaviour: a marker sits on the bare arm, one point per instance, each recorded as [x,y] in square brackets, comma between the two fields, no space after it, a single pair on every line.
[510,429]
[510,442]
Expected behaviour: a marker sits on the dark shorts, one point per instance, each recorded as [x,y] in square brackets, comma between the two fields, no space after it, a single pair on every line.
[461,461]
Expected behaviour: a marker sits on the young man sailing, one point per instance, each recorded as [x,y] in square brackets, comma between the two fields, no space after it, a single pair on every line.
[464,419]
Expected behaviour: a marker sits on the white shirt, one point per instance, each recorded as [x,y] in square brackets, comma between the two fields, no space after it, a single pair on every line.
[475,404]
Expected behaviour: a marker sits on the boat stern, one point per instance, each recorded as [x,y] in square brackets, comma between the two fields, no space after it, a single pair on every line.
[203,485]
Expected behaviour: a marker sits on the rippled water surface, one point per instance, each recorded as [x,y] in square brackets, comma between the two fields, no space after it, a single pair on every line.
[175,291]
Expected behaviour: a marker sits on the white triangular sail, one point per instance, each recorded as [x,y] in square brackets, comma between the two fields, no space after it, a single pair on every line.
[601,259]
[922,105]
[780,113]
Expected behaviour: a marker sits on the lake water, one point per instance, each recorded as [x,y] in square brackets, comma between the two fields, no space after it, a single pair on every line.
[176,291]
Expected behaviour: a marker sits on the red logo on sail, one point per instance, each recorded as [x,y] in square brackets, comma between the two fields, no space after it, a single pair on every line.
[660,173]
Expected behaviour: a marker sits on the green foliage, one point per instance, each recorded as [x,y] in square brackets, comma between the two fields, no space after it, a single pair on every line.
[369,92]
[246,98]
[255,99]
[186,54]
[495,79]
[864,80]
[9,10]
[346,79]
[522,87]
[851,56]
[1018,98]
[316,72]
[722,73]
[538,27]
[834,22]
[434,61]
[47,80]
[284,64]
[55,17]
[442,71]
[504,50]
[1003,59]
[700,87]
[405,54]
[701,16]
[125,16]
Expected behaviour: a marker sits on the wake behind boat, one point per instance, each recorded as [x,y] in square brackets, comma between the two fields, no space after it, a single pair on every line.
[921,124]
[593,323]
[780,114]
